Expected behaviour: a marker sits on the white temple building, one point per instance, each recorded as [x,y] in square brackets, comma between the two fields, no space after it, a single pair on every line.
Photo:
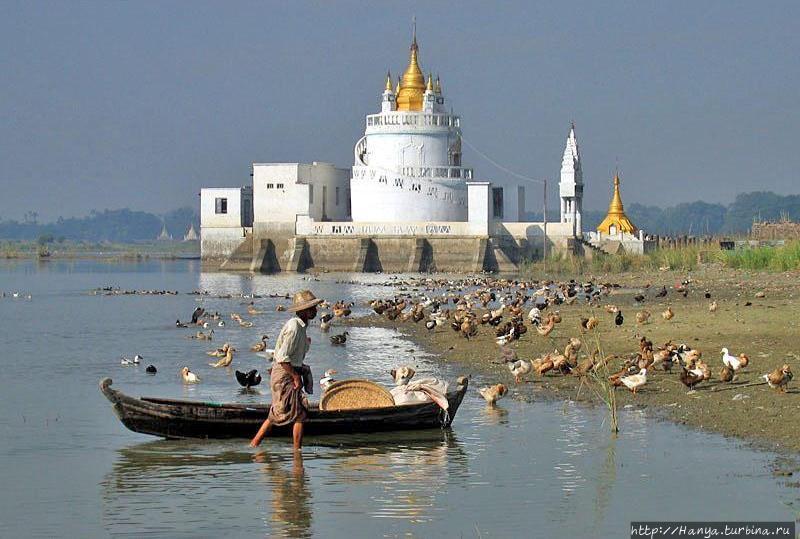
[407,204]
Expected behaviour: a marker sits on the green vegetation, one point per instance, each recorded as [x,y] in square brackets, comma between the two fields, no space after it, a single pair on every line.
[85,249]
[779,258]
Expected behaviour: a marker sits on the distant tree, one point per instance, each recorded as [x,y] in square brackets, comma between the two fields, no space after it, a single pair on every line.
[44,239]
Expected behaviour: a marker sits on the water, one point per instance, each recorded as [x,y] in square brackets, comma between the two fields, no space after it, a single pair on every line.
[542,469]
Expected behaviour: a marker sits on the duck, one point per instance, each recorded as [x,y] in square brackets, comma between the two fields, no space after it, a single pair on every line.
[151,369]
[642,317]
[339,339]
[249,379]
[327,379]
[667,314]
[261,345]
[545,329]
[779,378]
[402,375]
[126,362]
[619,319]
[226,360]
[734,362]
[267,354]
[712,307]
[662,293]
[189,377]
[492,394]
[200,336]
[220,352]
[251,309]
[221,324]
[280,308]
[635,381]
[179,324]
[245,323]
[690,378]
[588,324]
[726,374]
[325,322]
[519,369]
[430,325]
[543,364]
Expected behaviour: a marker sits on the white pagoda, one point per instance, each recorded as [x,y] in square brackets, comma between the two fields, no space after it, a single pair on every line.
[408,163]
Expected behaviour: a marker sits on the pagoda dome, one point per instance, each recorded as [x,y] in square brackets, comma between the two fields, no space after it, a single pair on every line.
[412,85]
[616,221]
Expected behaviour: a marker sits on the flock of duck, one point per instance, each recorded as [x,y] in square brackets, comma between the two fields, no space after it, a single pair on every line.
[509,308]
[201,319]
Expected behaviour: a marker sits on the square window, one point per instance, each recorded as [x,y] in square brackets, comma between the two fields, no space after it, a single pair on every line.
[221,205]
[270,186]
[279,186]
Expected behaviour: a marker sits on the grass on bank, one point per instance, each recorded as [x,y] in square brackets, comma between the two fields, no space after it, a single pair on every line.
[778,258]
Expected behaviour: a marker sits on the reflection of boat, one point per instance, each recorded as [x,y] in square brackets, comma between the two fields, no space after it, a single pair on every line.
[172,418]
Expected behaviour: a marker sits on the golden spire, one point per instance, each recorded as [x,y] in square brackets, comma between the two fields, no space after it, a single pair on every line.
[397,88]
[429,85]
[616,217]
[388,81]
[409,95]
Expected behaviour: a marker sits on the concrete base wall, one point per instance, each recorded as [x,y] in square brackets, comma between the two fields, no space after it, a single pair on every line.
[220,243]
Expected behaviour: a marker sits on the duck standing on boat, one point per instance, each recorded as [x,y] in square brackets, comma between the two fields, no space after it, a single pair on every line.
[289,404]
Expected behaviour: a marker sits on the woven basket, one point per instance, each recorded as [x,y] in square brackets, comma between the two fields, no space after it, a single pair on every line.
[355,394]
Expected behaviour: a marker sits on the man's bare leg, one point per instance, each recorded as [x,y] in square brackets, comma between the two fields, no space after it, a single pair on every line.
[297,435]
[263,431]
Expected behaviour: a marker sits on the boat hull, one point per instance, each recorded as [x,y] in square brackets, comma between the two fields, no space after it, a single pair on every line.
[171,418]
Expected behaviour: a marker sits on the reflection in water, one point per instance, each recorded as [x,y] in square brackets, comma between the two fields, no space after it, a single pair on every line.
[390,475]
[291,497]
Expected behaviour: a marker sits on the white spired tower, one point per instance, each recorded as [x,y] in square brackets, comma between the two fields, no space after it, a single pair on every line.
[571,184]
[408,163]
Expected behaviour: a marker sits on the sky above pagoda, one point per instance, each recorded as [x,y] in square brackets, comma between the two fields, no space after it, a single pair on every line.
[108,105]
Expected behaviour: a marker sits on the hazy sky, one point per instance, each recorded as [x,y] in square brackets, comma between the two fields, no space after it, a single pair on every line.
[139,104]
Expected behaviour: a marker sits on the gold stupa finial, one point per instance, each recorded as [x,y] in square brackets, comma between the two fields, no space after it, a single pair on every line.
[429,85]
[412,85]
[388,81]
[616,221]
[397,88]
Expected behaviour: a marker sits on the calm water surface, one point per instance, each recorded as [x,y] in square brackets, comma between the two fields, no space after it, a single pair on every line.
[70,469]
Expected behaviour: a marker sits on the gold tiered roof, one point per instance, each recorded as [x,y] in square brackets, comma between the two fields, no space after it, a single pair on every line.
[412,85]
[616,214]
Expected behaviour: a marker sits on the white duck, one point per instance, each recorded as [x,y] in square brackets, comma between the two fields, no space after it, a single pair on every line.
[267,354]
[635,381]
[519,369]
[731,361]
[188,376]
[327,379]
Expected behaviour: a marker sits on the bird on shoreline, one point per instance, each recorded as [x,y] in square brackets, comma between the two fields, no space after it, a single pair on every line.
[492,394]
[635,381]
[779,378]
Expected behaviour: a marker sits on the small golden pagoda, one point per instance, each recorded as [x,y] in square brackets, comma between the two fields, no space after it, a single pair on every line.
[412,85]
[616,221]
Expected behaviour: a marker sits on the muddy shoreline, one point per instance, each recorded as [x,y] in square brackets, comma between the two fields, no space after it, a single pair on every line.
[766,328]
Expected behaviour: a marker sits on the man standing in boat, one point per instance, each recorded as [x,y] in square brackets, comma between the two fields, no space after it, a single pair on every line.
[289,404]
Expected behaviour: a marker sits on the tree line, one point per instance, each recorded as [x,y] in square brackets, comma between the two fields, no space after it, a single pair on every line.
[121,226]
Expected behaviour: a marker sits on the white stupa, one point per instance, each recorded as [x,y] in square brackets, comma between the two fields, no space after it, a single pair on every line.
[408,163]
[571,184]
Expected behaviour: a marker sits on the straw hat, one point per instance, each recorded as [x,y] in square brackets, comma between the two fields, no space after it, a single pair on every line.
[304,300]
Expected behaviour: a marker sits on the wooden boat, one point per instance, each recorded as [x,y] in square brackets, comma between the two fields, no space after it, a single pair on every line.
[174,418]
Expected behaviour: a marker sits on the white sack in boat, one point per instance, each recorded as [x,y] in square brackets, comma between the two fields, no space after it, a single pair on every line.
[422,390]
